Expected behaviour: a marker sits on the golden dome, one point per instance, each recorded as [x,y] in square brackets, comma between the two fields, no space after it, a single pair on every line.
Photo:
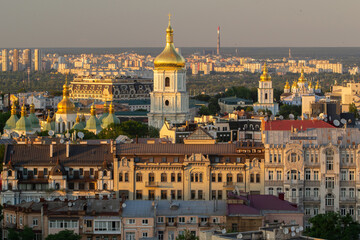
[287,85]
[265,76]
[310,85]
[317,85]
[294,85]
[32,108]
[92,110]
[169,57]
[48,119]
[302,77]
[13,109]
[77,118]
[66,106]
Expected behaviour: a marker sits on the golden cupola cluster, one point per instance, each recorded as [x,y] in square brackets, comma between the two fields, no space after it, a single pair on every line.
[287,85]
[65,106]
[169,58]
[265,76]
[302,77]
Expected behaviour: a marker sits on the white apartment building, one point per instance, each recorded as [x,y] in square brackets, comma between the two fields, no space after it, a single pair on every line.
[314,164]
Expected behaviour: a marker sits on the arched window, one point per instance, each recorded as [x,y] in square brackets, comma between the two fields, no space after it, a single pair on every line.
[9,173]
[167,82]
[240,177]
[329,200]
[257,177]
[271,191]
[196,177]
[293,157]
[329,159]
[192,177]
[57,186]
[229,177]
[167,103]
[219,177]
[138,177]
[163,177]
[104,186]
[104,173]
[213,177]
[266,96]
[9,186]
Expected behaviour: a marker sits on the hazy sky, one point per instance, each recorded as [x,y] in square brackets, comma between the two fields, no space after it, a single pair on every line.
[135,23]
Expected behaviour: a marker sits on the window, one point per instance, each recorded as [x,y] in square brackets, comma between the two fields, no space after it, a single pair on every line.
[126,177]
[176,159]
[329,181]
[163,177]
[139,195]
[35,171]
[271,191]
[144,234]
[351,211]
[316,211]
[130,221]
[307,174]
[343,175]
[151,195]
[138,177]
[179,194]
[88,223]
[351,175]
[293,193]
[343,192]
[160,219]
[316,192]
[120,177]
[145,222]
[329,200]
[171,219]
[240,177]
[252,178]
[45,171]
[104,173]
[351,192]
[307,211]
[229,178]
[200,194]
[278,175]
[163,194]
[307,192]
[20,220]
[193,193]
[219,177]
[167,82]
[220,194]
[181,220]
[91,171]
[35,222]
[173,177]
[293,157]
[215,220]
[257,177]
[279,190]
[213,194]
[329,159]
[161,235]
[81,171]
[179,177]
[213,177]
[151,177]
[130,236]
[172,195]
[193,219]
[271,175]
[316,175]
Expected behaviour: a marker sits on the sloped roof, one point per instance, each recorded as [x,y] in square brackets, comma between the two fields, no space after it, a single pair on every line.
[270,202]
[286,125]
[241,209]
[200,134]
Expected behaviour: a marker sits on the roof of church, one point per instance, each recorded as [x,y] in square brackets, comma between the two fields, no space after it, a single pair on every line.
[286,125]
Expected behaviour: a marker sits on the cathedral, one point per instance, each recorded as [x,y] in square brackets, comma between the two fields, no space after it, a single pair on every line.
[266,94]
[302,87]
[169,98]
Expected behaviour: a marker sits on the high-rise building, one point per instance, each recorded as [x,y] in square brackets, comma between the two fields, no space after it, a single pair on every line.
[27,59]
[37,60]
[218,41]
[15,61]
[169,98]
[5,60]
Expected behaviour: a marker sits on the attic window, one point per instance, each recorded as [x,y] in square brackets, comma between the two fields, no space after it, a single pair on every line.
[151,159]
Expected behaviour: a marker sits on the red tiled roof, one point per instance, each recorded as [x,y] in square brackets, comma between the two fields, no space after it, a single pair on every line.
[286,125]
[270,202]
[241,209]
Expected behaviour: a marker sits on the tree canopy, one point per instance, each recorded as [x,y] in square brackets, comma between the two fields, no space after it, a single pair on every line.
[130,128]
[333,226]
[353,109]
[286,110]
[65,234]
[187,236]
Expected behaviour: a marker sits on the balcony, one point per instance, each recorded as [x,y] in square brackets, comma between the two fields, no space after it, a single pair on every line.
[347,183]
[229,184]
[309,183]
[152,184]
[274,183]
[171,224]
[311,199]
[293,182]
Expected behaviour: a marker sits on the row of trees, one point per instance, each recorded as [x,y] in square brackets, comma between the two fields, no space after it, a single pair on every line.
[28,234]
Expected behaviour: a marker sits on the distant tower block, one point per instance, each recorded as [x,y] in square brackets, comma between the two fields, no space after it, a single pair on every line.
[290,54]
[37,60]
[218,41]
[15,60]
[5,60]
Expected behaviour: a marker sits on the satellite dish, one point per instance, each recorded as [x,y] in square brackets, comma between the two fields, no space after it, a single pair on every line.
[124,205]
[325,115]
[297,230]
[239,236]
[223,231]
[15,134]
[272,117]
[349,121]
[301,228]
[69,204]
[81,135]
[291,116]
[312,118]
[67,135]
[293,234]
[325,119]
[265,119]
[292,228]
[343,121]
[261,113]
[62,140]
[281,117]
[286,231]
[321,115]
[305,116]
[329,118]
[51,133]
[318,118]
[336,123]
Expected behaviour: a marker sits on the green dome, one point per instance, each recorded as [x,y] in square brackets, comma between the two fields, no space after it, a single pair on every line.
[93,124]
[78,125]
[111,118]
[11,122]
[34,120]
[49,124]
[103,116]
[24,124]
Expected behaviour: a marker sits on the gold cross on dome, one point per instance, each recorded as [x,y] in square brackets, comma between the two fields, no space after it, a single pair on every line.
[169,16]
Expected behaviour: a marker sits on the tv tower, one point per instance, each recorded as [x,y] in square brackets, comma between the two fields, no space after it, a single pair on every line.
[218,41]
[290,54]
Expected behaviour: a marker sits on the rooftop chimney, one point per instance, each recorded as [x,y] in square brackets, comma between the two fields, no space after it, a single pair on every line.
[51,150]
[67,150]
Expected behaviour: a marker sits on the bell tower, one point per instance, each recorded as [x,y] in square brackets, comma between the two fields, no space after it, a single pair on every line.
[169,99]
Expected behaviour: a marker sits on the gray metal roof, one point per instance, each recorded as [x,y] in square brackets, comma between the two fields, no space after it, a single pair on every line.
[138,208]
[191,208]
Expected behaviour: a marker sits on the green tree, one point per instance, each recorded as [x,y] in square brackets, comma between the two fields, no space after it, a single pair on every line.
[153,132]
[353,109]
[65,234]
[286,109]
[111,132]
[27,234]
[4,116]
[333,226]
[249,109]
[13,235]
[204,111]
[133,128]
[187,236]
